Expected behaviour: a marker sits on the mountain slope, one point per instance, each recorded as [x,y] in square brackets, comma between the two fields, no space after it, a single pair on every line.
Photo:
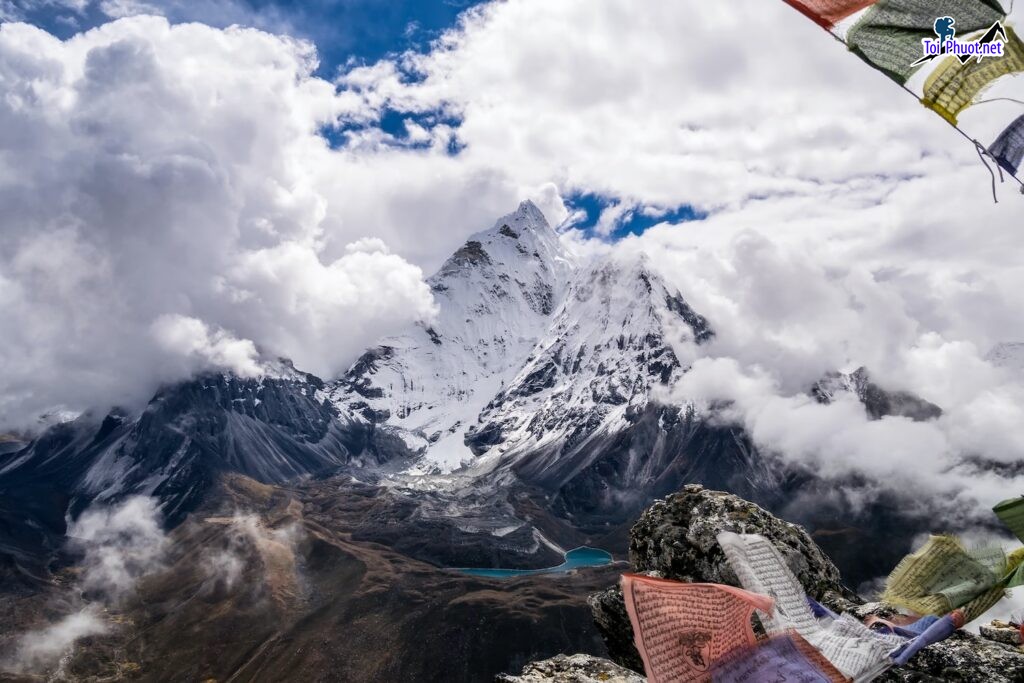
[495,296]
[542,374]
[273,429]
[583,421]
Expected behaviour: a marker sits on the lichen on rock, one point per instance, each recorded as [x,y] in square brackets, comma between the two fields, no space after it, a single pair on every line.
[573,669]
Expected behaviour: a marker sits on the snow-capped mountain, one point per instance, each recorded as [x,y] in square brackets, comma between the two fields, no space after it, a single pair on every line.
[496,296]
[543,373]
[272,429]
[537,376]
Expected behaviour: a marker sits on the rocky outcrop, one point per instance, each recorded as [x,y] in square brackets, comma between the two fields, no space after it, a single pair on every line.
[676,539]
[573,669]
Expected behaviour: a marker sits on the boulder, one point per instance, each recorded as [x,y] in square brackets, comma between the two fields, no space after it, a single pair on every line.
[676,539]
[573,669]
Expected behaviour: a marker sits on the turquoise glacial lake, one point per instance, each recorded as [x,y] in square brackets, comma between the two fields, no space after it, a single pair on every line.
[574,559]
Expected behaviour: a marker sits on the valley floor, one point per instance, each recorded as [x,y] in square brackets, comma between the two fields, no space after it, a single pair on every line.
[323,581]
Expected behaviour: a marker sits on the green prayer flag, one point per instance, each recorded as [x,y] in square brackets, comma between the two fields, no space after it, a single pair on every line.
[889,35]
[1011,513]
[953,85]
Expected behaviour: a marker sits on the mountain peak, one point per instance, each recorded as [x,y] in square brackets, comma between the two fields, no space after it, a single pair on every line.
[526,217]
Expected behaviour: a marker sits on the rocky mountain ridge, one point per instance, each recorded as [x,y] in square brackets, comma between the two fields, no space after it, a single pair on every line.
[529,408]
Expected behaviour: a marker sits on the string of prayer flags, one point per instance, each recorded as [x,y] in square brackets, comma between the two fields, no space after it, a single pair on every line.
[902,37]
[827,13]
[787,657]
[1008,151]
[889,35]
[953,86]
[851,647]
[1011,512]
[940,577]
[681,629]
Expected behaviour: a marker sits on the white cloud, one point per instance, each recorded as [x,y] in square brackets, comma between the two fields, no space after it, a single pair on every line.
[163,195]
[193,340]
[40,649]
[849,226]
[120,544]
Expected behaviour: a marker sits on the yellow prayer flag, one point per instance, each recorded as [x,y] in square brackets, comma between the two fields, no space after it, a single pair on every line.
[940,577]
[953,85]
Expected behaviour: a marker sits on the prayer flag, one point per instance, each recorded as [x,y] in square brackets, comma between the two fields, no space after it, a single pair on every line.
[1008,151]
[850,646]
[827,13]
[889,35]
[953,85]
[783,658]
[681,629]
[941,576]
[1011,512]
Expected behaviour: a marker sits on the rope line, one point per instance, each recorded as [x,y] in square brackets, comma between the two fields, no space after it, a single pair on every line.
[978,146]
[979,149]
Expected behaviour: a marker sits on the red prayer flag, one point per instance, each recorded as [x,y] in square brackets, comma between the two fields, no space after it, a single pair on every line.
[827,13]
[681,629]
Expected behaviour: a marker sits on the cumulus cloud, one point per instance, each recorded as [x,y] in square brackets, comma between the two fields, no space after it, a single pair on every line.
[848,225]
[162,212]
[790,307]
[669,105]
[194,341]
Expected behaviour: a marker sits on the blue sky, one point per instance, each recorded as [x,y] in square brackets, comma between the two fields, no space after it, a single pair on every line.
[363,30]
[346,32]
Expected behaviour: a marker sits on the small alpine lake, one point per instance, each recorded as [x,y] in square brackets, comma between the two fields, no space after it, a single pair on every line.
[574,559]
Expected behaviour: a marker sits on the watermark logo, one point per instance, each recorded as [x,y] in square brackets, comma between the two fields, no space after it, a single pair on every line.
[991,44]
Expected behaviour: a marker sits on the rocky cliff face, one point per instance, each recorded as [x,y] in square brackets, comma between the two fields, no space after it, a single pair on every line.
[275,428]
[878,402]
[676,539]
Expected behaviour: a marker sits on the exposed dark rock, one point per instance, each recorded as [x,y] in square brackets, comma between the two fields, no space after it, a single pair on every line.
[702,331]
[359,377]
[272,429]
[609,609]
[508,232]
[877,401]
[1001,632]
[471,253]
[600,478]
[677,537]
[479,439]
[573,669]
